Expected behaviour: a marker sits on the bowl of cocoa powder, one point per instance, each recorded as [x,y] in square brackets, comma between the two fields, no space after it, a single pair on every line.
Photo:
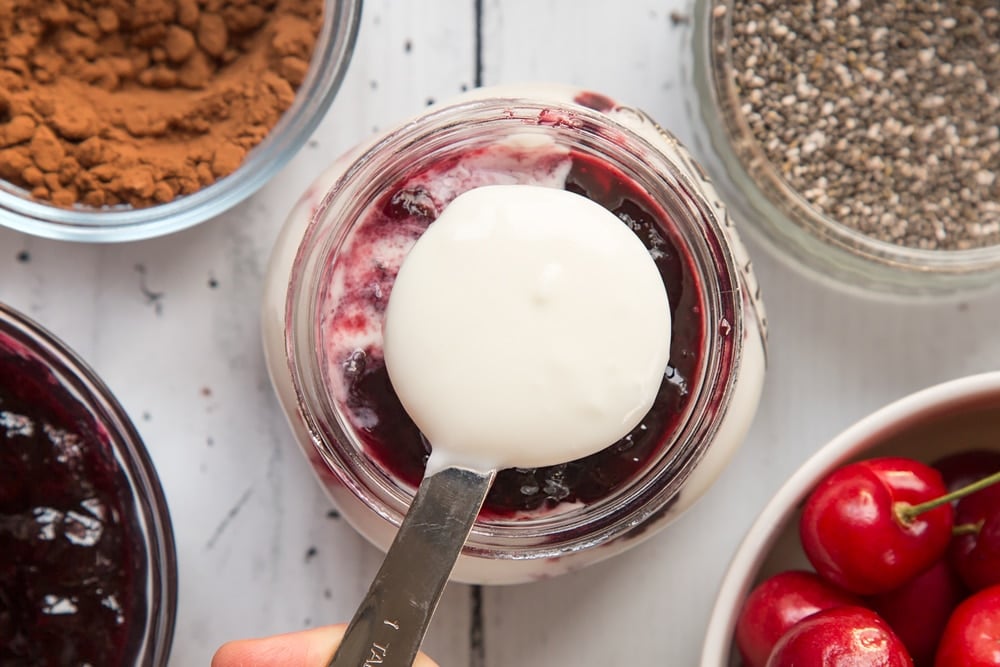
[127,120]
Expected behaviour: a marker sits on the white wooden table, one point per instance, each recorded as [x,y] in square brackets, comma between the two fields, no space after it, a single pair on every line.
[172,326]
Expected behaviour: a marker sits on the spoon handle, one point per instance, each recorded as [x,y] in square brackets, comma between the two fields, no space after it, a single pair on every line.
[390,623]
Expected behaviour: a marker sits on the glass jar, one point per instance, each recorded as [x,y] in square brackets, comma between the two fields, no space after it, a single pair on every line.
[545,135]
[81,503]
[780,217]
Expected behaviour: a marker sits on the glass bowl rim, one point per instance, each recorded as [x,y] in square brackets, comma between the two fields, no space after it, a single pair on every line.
[327,69]
[134,462]
[773,188]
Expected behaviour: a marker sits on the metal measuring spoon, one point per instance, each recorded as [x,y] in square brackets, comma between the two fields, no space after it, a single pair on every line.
[527,327]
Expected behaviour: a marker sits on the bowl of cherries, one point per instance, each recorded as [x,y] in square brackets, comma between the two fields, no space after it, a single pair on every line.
[882,549]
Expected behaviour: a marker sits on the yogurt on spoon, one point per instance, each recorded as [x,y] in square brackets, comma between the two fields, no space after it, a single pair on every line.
[528,326]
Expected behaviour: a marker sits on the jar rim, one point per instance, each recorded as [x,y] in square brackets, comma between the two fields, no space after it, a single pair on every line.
[758,178]
[720,297]
[133,462]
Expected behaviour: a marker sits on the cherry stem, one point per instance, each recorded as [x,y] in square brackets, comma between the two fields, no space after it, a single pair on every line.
[967,528]
[907,513]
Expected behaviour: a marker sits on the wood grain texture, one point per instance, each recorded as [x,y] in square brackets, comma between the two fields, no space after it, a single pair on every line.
[171,324]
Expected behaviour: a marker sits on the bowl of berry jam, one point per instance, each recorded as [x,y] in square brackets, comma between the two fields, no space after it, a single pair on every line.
[830,541]
[87,562]
[333,268]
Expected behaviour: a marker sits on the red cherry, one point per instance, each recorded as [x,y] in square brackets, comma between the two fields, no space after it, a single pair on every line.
[972,636]
[975,551]
[778,603]
[840,637]
[965,467]
[918,610]
[861,530]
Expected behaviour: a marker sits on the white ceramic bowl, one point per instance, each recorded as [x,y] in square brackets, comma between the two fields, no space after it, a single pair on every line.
[946,418]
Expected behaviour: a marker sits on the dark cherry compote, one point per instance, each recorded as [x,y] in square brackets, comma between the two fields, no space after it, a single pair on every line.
[363,276]
[68,537]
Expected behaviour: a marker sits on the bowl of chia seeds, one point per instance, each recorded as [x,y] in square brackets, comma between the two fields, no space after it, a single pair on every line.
[859,138]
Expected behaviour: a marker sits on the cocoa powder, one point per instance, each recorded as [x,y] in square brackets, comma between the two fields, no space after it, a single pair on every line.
[137,102]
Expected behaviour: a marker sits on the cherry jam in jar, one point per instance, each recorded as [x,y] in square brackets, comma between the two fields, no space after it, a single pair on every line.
[336,260]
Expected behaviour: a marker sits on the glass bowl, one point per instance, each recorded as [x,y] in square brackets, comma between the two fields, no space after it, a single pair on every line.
[781,218]
[77,477]
[331,56]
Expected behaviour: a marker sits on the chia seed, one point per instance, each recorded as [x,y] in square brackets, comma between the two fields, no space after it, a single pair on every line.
[882,114]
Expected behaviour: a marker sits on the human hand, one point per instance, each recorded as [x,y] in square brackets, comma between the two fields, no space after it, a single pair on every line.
[308,648]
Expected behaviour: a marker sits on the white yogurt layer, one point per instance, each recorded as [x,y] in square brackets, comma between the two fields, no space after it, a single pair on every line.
[519,159]
[527,327]
[350,293]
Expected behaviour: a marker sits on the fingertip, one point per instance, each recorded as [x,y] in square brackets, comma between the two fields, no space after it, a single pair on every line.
[229,655]
[424,661]
[293,649]
[306,648]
